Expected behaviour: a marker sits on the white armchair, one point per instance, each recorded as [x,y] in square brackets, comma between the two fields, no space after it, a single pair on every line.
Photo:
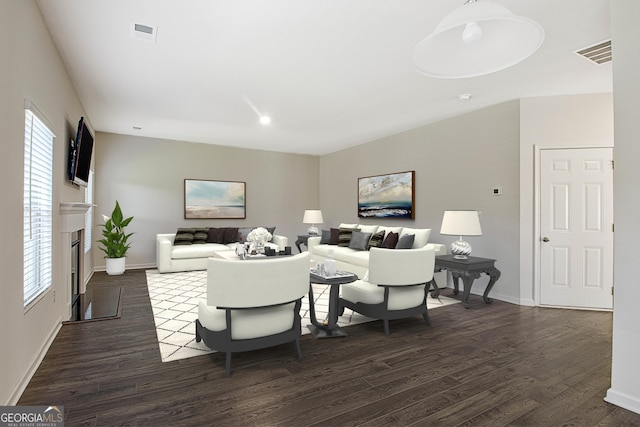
[253,304]
[397,285]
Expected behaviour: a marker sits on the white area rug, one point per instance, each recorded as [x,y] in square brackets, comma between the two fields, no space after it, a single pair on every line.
[174,299]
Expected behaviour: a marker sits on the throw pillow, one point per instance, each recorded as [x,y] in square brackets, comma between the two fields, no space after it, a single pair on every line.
[184,236]
[335,236]
[390,241]
[376,240]
[200,235]
[271,230]
[215,235]
[406,241]
[359,240]
[230,235]
[243,232]
[326,237]
[344,237]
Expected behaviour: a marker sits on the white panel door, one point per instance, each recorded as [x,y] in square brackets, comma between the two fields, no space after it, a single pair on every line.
[576,227]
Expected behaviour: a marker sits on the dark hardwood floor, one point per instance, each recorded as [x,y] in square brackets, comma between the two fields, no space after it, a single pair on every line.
[490,365]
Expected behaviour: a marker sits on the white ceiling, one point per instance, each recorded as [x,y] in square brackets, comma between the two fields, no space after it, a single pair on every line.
[330,73]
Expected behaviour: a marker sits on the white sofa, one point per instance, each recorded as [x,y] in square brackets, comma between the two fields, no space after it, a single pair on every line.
[171,258]
[357,261]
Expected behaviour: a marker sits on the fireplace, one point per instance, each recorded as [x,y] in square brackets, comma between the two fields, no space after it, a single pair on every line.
[72,227]
[76,260]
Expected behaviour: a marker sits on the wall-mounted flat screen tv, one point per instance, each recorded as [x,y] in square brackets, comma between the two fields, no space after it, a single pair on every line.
[80,152]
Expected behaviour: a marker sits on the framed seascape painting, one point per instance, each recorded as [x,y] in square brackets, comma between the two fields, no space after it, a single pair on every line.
[387,196]
[214,199]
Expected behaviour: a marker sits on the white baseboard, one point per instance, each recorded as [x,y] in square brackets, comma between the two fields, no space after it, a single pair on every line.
[22,385]
[623,400]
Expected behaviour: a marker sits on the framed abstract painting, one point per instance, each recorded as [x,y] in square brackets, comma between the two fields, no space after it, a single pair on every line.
[387,196]
[205,199]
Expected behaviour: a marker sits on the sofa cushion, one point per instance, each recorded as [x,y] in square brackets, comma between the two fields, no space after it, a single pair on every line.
[230,235]
[215,235]
[343,225]
[368,228]
[359,258]
[359,240]
[376,240]
[390,241]
[406,241]
[344,237]
[197,251]
[421,236]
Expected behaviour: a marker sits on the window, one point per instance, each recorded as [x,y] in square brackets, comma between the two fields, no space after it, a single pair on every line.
[38,204]
[88,217]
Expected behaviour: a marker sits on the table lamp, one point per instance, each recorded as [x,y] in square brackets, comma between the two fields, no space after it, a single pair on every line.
[313,217]
[461,223]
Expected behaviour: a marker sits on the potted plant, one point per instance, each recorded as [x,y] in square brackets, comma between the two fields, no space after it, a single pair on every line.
[115,241]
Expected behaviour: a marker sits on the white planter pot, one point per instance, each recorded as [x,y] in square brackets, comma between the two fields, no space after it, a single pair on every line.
[115,266]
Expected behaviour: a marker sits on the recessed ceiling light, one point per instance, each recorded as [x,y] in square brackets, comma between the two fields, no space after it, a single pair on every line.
[464,96]
[265,120]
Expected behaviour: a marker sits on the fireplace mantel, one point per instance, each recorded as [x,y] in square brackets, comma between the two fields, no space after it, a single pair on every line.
[73,215]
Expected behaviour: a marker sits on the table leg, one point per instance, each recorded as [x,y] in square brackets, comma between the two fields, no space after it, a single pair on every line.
[330,330]
[312,308]
[455,277]
[494,275]
[467,280]
[436,290]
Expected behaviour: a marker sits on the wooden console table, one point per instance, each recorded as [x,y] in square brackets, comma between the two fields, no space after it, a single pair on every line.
[468,269]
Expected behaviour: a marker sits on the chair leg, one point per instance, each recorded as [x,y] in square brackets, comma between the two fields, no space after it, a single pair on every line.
[425,316]
[386,327]
[296,346]
[228,364]
[198,337]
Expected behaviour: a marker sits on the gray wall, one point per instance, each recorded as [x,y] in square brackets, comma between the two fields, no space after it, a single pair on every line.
[31,69]
[457,162]
[625,376]
[147,175]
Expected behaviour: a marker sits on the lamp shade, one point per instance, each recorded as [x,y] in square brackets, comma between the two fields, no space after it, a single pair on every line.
[312,216]
[461,223]
[478,38]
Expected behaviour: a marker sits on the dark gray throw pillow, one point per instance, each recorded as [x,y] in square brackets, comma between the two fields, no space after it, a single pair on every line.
[243,232]
[326,237]
[359,240]
[390,241]
[406,241]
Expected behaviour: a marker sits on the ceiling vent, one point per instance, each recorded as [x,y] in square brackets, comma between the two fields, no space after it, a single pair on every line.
[598,53]
[143,32]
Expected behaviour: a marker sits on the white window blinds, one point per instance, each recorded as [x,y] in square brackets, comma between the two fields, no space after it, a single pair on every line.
[88,217]
[38,205]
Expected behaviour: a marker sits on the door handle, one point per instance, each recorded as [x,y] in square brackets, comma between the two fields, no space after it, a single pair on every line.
[545,239]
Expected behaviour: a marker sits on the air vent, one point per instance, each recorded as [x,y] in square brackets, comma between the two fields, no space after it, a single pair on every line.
[143,32]
[598,53]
